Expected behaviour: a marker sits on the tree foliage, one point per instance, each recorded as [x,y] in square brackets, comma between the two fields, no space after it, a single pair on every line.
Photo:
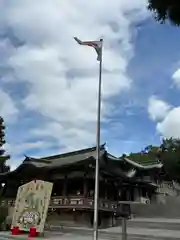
[170,157]
[3,157]
[3,215]
[168,153]
[165,10]
[147,155]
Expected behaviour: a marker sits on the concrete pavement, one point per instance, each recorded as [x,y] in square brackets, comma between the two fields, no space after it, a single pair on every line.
[156,220]
[138,229]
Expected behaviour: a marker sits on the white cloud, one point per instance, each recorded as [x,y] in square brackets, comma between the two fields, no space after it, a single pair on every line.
[176,78]
[14,166]
[8,109]
[167,117]
[24,147]
[62,76]
[170,126]
[18,149]
[157,109]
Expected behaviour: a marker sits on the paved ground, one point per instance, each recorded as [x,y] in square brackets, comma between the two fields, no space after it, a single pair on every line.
[157,223]
[138,229]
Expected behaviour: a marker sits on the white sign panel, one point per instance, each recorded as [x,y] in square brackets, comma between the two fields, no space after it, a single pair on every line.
[31,205]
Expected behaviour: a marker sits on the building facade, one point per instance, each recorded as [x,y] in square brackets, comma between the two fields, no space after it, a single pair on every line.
[121,182]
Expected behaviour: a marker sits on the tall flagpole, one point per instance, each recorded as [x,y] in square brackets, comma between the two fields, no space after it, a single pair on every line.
[96,194]
[98,48]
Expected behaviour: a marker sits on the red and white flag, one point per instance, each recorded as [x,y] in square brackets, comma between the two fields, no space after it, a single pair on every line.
[97,45]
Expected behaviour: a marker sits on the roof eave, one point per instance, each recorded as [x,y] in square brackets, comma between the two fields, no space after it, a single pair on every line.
[138,165]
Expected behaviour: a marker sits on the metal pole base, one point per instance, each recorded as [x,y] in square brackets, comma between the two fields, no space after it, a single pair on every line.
[95,234]
[124,229]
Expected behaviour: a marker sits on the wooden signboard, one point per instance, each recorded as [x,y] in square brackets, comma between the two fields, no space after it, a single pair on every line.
[31,206]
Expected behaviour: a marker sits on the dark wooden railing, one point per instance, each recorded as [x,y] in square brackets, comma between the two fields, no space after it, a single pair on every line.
[82,203]
[76,202]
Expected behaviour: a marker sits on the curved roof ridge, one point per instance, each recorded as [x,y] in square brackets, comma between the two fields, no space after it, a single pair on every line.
[111,156]
[102,147]
[139,165]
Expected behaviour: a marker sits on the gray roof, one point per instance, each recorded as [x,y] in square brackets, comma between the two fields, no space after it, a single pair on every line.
[56,161]
[144,165]
[154,163]
[109,164]
[65,158]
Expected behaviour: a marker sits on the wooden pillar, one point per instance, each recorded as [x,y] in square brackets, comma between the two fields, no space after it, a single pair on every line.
[64,192]
[85,187]
[106,189]
[127,194]
[136,194]
[140,192]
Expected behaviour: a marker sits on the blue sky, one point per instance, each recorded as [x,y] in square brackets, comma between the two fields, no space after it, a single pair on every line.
[48,83]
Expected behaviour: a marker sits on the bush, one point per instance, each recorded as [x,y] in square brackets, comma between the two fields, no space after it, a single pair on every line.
[3,215]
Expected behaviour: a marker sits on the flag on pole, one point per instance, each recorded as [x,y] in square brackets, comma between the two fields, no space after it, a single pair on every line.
[97,45]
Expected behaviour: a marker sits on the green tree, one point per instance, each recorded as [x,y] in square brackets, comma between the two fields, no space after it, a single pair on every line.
[170,157]
[3,157]
[165,10]
[148,155]
[168,153]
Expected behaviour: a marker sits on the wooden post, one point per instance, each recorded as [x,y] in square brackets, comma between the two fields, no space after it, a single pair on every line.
[65,187]
[124,228]
[106,186]
[85,187]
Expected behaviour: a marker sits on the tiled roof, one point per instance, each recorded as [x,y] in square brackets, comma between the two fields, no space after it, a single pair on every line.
[149,162]
[65,158]
[109,164]
[154,163]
